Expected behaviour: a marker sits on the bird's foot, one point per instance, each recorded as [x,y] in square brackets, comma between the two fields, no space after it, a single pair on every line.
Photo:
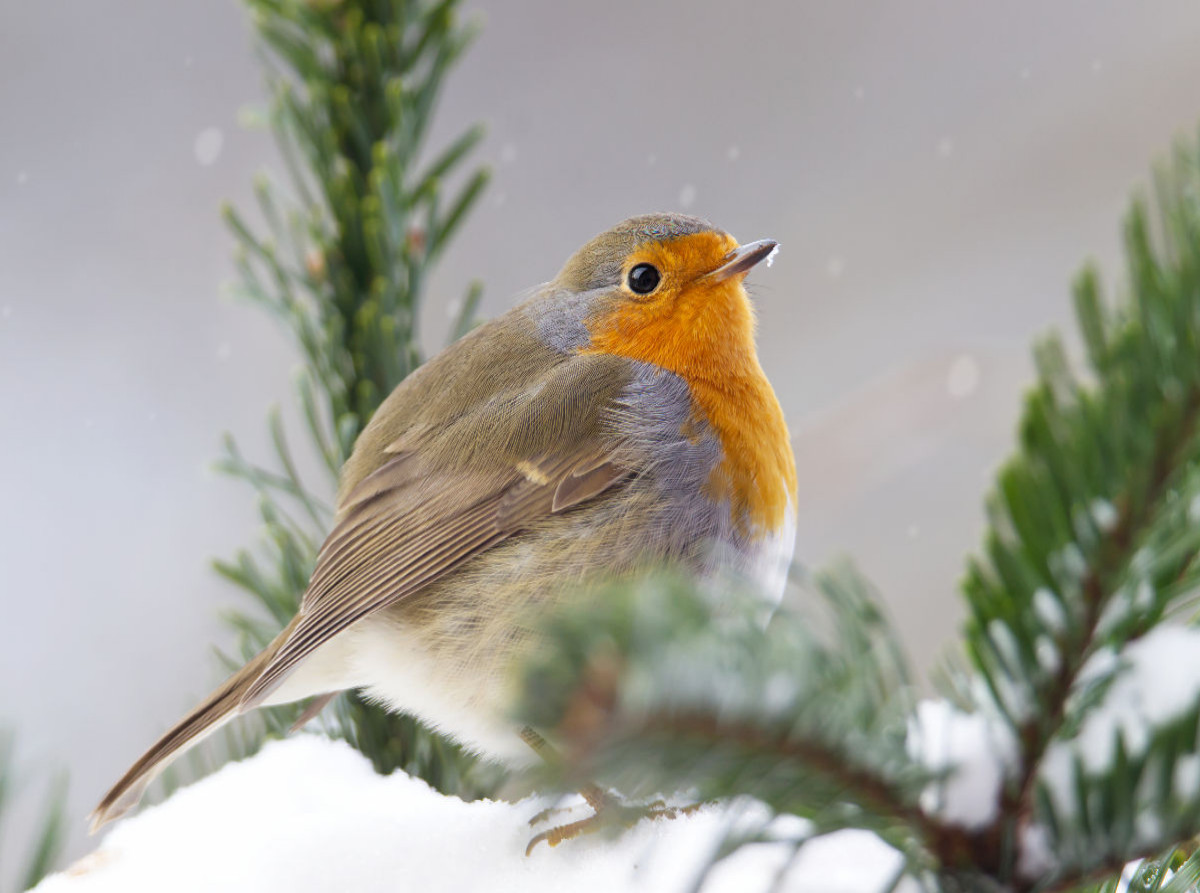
[608,812]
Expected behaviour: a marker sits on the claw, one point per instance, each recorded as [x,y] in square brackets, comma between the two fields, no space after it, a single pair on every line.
[557,835]
[609,811]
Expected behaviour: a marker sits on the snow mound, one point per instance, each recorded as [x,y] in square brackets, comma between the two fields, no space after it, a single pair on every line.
[310,814]
[973,749]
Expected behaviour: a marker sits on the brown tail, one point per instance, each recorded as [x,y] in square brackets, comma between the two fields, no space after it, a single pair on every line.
[219,707]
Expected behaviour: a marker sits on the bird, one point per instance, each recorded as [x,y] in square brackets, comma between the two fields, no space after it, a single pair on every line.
[617,419]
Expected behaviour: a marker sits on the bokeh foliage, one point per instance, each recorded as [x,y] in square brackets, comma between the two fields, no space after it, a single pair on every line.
[340,258]
[47,836]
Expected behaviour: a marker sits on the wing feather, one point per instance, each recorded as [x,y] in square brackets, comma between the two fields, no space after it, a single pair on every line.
[400,530]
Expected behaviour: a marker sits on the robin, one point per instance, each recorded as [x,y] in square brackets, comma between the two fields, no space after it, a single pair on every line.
[618,419]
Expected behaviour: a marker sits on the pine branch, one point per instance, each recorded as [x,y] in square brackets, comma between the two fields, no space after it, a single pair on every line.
[874,792]
[342,266]
[1093,543]
[655,685]
[1172,449]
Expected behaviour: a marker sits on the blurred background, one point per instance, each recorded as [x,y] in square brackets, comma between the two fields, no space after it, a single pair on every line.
[935,171]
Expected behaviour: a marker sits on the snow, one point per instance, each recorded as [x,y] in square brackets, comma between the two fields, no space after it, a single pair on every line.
[208,145]
[1187,776]
[1005,642]
[973,748]
[963,378]
[1047,655]
[851,861]
[1072,562]
[1049,610]
[1143,598]
[1104,513]
[1157,679]
[310,814]
[687,196]
[1036,855]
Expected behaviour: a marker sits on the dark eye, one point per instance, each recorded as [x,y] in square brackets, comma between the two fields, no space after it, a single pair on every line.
[643,279]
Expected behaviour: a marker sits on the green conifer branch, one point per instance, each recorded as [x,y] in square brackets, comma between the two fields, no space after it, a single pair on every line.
[657,686]
[1093,541]
[341,262]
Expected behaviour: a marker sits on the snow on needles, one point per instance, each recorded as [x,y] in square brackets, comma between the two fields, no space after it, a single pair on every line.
[310,814]
[973,749]
[1156,679]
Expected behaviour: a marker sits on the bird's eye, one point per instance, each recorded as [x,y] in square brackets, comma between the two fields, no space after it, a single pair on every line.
[643,279]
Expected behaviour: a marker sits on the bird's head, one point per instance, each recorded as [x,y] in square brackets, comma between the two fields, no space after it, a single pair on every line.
[666,289]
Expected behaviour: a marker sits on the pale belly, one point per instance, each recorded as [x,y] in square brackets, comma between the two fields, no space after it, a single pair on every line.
[407,678]
[768,562]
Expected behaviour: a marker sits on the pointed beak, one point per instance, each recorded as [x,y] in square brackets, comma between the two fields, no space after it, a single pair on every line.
[739,262]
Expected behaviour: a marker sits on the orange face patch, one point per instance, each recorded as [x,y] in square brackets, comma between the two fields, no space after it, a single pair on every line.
[702,329]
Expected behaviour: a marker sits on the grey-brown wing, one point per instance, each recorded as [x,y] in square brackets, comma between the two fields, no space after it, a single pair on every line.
[402,528]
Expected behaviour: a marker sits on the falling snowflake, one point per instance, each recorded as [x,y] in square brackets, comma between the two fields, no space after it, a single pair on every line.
[733,153]
[945,148]
[835,267]
[508,154]
[224,349]
[208,145]
[963,378]
[687,196]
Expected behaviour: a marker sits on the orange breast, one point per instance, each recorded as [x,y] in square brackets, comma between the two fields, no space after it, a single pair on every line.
[704,333]
[758,473]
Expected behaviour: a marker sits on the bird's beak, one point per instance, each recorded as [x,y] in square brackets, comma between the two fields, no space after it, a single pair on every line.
[739,261]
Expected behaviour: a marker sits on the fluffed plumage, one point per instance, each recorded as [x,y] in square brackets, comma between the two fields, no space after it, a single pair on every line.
[550,446]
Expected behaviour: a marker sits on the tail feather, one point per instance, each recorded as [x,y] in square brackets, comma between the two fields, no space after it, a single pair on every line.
[217,709]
